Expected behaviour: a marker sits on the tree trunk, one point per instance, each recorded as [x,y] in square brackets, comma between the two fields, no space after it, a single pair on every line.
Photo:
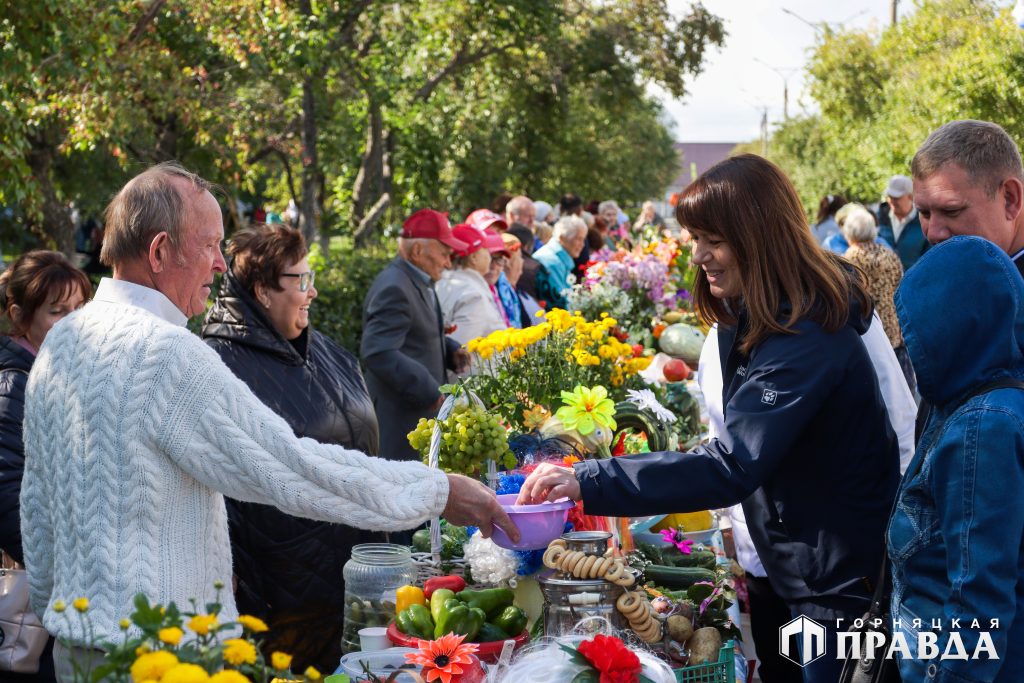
[312,177]
[311,180]
[57,226]
[167,133]
[368,180]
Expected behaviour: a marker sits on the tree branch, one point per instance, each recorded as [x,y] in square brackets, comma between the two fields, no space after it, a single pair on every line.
[460,60]
[369,221]
[144,21]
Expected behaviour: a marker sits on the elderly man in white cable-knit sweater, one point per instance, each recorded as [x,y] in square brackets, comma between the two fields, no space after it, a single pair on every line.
[134,429]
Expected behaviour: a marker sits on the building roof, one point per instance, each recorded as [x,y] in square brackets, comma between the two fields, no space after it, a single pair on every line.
[697,157]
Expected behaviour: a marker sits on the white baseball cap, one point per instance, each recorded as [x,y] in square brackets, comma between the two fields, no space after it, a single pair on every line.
[899,185]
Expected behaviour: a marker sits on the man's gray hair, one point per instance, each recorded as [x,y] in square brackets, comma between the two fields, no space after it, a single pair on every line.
[983,149]
[568,227]
[859,226]
[607,204]
[519,206]
[149,204]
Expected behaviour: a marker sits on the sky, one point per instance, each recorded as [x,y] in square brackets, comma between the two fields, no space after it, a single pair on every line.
[726,101]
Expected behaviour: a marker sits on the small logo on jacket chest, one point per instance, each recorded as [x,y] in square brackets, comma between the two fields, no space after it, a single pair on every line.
[742,371]
[769,396]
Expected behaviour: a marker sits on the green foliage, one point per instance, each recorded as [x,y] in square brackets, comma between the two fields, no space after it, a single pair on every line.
[468,97]
[341,284]
[881,93]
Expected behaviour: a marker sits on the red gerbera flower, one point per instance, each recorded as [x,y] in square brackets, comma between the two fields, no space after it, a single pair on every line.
[610,656]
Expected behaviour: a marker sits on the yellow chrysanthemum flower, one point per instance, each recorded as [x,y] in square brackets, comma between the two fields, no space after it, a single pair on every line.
[280,661]
[124,624]
[59,606]
[203,623]
[254,624]
[81,604]
[312,674]
[153,665]
[229,676]
[171,635]
[239,651]
[186,673]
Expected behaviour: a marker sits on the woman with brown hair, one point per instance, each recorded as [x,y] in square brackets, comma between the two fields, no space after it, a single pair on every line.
[289,568]
[36,291]
[807,446]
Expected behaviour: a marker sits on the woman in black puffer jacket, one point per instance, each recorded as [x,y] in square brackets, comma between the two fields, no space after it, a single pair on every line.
[289,569]
[36,291]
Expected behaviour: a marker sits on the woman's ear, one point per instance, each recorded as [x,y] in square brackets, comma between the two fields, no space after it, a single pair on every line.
[15,313]
[261,294]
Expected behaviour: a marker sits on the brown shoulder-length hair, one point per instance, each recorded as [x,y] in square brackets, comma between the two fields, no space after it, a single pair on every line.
[752,205]
[260,253]
[35,279]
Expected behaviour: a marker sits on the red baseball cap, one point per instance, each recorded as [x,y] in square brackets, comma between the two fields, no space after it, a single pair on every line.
[494,243]
[470,236]
[434,225]
[481,219]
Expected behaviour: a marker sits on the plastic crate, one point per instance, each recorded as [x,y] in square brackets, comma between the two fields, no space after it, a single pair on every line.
[722,671]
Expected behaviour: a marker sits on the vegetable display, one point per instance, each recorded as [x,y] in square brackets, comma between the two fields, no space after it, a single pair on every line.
[480,615]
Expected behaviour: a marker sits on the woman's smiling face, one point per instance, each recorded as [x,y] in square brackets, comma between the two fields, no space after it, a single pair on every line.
[716,258]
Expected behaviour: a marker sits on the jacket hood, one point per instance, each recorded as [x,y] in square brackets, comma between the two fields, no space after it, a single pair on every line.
[236,316]
[962,318]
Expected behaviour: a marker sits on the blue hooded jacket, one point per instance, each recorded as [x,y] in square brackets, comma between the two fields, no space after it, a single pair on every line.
[956,535]
[807,448]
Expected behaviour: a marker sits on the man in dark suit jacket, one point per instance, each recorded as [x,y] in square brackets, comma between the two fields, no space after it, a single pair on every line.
[404,347]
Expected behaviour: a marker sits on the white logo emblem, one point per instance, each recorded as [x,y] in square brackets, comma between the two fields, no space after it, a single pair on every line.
[769,396]
[812,640]
[742,371]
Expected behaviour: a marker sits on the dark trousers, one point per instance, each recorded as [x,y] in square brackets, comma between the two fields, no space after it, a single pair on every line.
[767,613]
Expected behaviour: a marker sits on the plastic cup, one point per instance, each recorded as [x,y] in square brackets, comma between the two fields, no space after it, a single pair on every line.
[373,638]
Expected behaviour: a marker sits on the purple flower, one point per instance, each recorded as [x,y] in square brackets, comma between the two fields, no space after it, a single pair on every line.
[670,535]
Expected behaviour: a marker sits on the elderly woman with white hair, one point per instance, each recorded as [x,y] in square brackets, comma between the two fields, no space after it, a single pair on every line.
[883,271]
[557,258]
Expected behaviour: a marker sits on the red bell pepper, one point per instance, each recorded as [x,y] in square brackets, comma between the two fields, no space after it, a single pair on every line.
[455,584]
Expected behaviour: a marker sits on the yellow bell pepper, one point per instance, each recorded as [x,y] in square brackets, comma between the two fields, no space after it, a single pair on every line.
[407,596]
[686,521]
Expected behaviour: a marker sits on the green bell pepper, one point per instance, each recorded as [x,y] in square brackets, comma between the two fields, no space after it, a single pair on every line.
[460,619]
[415,621]
[512,620]
[489,633]
[491,600]
[437,600]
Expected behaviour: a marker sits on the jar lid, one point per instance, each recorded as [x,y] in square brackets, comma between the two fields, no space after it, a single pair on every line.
[381,554]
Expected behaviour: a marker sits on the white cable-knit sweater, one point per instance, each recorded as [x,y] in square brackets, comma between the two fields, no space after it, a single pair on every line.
[133,429]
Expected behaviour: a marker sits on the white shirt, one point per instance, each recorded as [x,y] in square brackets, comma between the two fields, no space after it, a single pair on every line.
[898,225]
[148,299]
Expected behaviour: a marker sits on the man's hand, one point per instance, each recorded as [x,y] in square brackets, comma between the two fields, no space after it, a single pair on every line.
[549,483]
[470,502]
[460,361]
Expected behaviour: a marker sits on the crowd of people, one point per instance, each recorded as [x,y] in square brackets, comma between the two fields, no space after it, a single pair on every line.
[138,457]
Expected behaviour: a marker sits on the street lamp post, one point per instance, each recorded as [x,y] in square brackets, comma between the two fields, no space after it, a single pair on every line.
[785,75]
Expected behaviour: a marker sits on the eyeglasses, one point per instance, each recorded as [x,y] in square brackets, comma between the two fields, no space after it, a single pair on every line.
[305,279]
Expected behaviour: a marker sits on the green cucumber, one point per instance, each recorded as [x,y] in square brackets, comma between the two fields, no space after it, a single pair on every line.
[677,578]
[630,416]
[696,558]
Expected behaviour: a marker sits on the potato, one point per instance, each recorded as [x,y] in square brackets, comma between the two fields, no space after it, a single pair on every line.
[704,645]
[679,628]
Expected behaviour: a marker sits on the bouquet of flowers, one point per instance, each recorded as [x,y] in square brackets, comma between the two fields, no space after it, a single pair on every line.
[164,643]
[525,371]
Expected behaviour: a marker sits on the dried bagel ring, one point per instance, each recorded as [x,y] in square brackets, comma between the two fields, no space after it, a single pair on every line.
[600,568]
[558,543]
[576,563]
[614,571]
[583,570]
[628,602]
[651,633]
[552,556]
[626,580]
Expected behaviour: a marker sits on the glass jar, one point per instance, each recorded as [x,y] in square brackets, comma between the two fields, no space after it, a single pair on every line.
[372,576]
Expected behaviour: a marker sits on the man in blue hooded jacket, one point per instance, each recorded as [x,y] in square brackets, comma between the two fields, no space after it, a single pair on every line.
[957,533]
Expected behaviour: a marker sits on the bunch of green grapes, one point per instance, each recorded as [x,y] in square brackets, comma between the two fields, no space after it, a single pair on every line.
[469,437]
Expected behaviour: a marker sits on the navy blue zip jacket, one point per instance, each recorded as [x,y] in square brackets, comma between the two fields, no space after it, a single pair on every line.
[807,448]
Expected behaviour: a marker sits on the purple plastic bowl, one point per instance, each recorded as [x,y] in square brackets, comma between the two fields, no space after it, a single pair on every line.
[538,524]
